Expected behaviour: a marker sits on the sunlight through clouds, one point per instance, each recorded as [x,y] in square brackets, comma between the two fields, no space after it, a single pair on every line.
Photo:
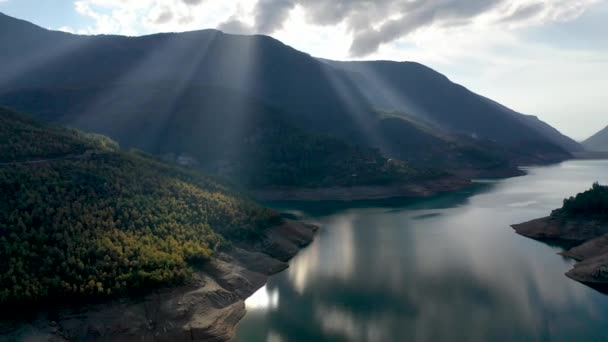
[365,26]
[439,32]
[483,44]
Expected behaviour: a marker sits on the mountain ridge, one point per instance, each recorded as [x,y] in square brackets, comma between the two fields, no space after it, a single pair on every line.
[314,96]
[598,142]
[394,76]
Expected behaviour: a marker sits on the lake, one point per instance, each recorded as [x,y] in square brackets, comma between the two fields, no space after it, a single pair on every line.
[444,268]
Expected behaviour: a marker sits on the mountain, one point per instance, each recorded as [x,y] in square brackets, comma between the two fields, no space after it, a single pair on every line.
[88,77]
[598,142]
[421,91]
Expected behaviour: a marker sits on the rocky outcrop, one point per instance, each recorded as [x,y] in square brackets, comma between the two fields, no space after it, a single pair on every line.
[206,309]
[593,261]
[590,238]
[561,229]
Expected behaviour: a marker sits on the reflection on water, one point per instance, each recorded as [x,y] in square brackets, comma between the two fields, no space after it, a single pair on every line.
[446,268]
[263,299]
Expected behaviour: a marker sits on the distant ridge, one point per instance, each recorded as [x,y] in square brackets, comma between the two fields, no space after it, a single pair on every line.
[598,142]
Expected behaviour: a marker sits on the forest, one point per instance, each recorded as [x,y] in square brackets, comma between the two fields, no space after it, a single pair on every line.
[107,222]
[281,155]
[592,203]
[233,136]
[24,139]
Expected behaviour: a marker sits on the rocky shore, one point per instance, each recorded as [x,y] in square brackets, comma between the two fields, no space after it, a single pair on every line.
[590,241]
[420,189]
[206,309]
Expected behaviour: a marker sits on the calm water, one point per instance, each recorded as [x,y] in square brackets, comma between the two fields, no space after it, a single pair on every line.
[447,268]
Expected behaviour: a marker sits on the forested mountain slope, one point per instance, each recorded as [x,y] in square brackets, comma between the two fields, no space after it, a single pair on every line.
[79,218]
[231,135]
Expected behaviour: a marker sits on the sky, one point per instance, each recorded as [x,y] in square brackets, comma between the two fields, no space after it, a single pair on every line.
[548,58]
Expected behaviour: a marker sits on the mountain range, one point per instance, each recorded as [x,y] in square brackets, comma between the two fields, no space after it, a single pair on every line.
[235,103]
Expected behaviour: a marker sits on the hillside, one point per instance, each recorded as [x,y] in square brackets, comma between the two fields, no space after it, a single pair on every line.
[258,149]
[419,142]
[313,96]
[421,91]
[80,218]
[598,142]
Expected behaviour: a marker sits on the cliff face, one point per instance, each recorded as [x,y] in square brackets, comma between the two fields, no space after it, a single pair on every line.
[590,238]
[207,309]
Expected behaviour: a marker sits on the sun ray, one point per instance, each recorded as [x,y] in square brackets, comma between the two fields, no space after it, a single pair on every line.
[358,107]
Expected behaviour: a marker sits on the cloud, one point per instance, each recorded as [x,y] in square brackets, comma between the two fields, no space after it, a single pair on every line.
[271,14]
[164,17]
[373,24]
[416,15]
[234,26]
[134,17]
[368,25]
[524,12]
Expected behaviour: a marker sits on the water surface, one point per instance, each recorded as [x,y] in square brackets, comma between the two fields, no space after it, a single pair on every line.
[445,268]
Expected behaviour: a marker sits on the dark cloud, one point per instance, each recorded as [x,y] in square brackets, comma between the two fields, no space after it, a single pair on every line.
[269,17]
[373,23]
[418,14]
[235,26]
[164,17]
[271,14]
[368,20]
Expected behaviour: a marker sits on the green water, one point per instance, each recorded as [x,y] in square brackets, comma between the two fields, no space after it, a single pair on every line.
[448,268]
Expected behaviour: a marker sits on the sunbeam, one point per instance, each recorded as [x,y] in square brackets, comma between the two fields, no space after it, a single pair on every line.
[379,92]
[358,107]
[34,55]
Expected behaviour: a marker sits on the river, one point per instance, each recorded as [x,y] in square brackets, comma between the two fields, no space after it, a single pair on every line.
[444,268]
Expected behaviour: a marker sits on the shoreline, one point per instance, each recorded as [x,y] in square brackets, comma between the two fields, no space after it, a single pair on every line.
[208,308]
[356,193]
[585,241]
